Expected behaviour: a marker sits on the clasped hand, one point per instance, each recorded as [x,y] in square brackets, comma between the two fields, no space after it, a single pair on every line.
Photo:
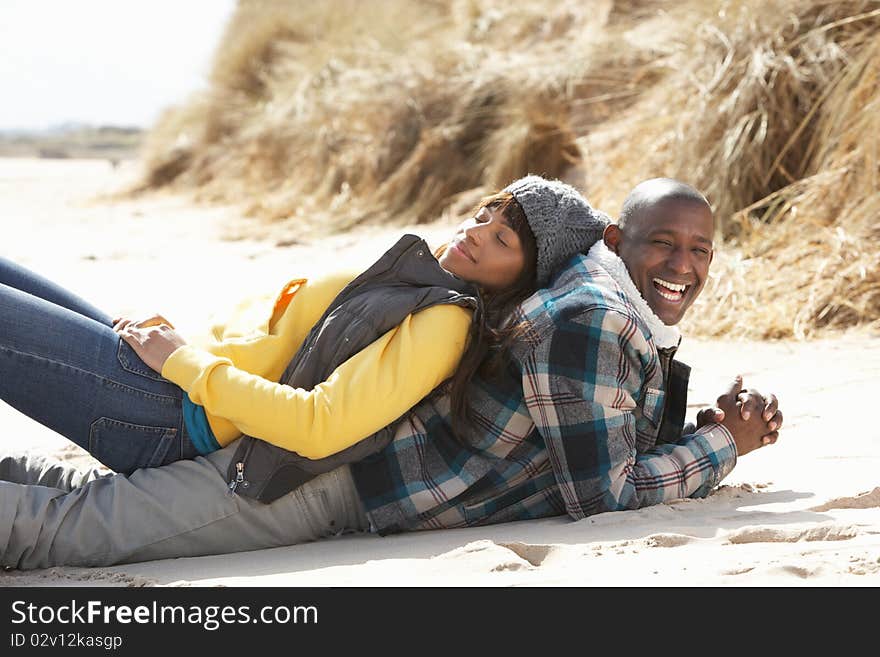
[752,419]
[153,339]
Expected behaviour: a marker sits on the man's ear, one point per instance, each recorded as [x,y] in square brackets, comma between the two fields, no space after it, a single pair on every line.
[611,236]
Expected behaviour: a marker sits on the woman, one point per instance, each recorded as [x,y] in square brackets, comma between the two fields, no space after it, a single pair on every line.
[54,514]
[116,387]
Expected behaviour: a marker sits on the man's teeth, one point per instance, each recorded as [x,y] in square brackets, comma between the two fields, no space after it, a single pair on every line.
[676,288]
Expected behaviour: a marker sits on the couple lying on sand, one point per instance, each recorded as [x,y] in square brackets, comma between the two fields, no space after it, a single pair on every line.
[524,369]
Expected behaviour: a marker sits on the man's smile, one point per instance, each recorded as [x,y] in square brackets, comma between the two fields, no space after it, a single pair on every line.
[669,290]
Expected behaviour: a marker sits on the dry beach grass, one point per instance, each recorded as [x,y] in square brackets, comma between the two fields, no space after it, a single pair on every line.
[406,110]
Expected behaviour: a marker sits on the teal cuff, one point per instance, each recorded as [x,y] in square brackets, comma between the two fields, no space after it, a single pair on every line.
[198,428]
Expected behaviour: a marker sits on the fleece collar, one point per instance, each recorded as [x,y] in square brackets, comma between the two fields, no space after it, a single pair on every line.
[664,336]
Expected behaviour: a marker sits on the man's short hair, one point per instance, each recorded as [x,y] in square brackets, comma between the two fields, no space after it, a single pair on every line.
[653,191]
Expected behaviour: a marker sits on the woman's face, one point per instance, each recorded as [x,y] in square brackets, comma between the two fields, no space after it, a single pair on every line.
[485,251]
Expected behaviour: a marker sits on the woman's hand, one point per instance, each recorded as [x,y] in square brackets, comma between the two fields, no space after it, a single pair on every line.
[152,342]
[154,320]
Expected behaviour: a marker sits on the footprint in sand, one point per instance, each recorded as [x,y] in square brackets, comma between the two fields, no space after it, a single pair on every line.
[860,501]
[507,556]
[534,554]
[825,532]
[738,571]
[800,571]
[668,540]
[864,565]
[859,564]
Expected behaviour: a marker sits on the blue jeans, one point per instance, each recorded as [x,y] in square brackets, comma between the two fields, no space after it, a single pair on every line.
[62,364]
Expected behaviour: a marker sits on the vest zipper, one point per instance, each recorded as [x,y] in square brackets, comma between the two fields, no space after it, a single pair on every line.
[239,477]
[239,470]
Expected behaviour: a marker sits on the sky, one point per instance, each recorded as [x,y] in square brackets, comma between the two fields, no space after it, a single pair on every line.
[103,62]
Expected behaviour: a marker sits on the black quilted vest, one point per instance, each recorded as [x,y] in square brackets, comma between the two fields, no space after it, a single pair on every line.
[406,279]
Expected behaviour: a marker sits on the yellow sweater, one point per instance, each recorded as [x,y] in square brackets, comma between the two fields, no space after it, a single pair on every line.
[233,371]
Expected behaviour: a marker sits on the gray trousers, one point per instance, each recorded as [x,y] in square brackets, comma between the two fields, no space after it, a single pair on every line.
[52,514]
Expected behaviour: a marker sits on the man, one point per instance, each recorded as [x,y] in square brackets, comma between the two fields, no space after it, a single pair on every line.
[585,416]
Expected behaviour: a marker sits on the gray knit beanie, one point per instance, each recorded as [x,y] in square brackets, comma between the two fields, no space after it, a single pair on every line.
[560,218]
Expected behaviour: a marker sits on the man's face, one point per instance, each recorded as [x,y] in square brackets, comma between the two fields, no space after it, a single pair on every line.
[667,249]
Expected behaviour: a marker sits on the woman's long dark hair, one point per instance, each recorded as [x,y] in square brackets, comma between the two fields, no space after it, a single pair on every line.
[491,332]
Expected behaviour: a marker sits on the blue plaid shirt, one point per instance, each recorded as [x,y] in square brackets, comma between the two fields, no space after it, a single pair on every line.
[570,427]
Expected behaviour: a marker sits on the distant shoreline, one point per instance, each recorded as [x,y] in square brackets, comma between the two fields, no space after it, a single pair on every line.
[74,141]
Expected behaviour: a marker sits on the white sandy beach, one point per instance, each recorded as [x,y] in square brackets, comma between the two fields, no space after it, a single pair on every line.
[803,512]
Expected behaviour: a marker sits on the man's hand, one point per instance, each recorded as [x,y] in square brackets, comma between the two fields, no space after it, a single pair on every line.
[749,402]
[153,343]
[748,417]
